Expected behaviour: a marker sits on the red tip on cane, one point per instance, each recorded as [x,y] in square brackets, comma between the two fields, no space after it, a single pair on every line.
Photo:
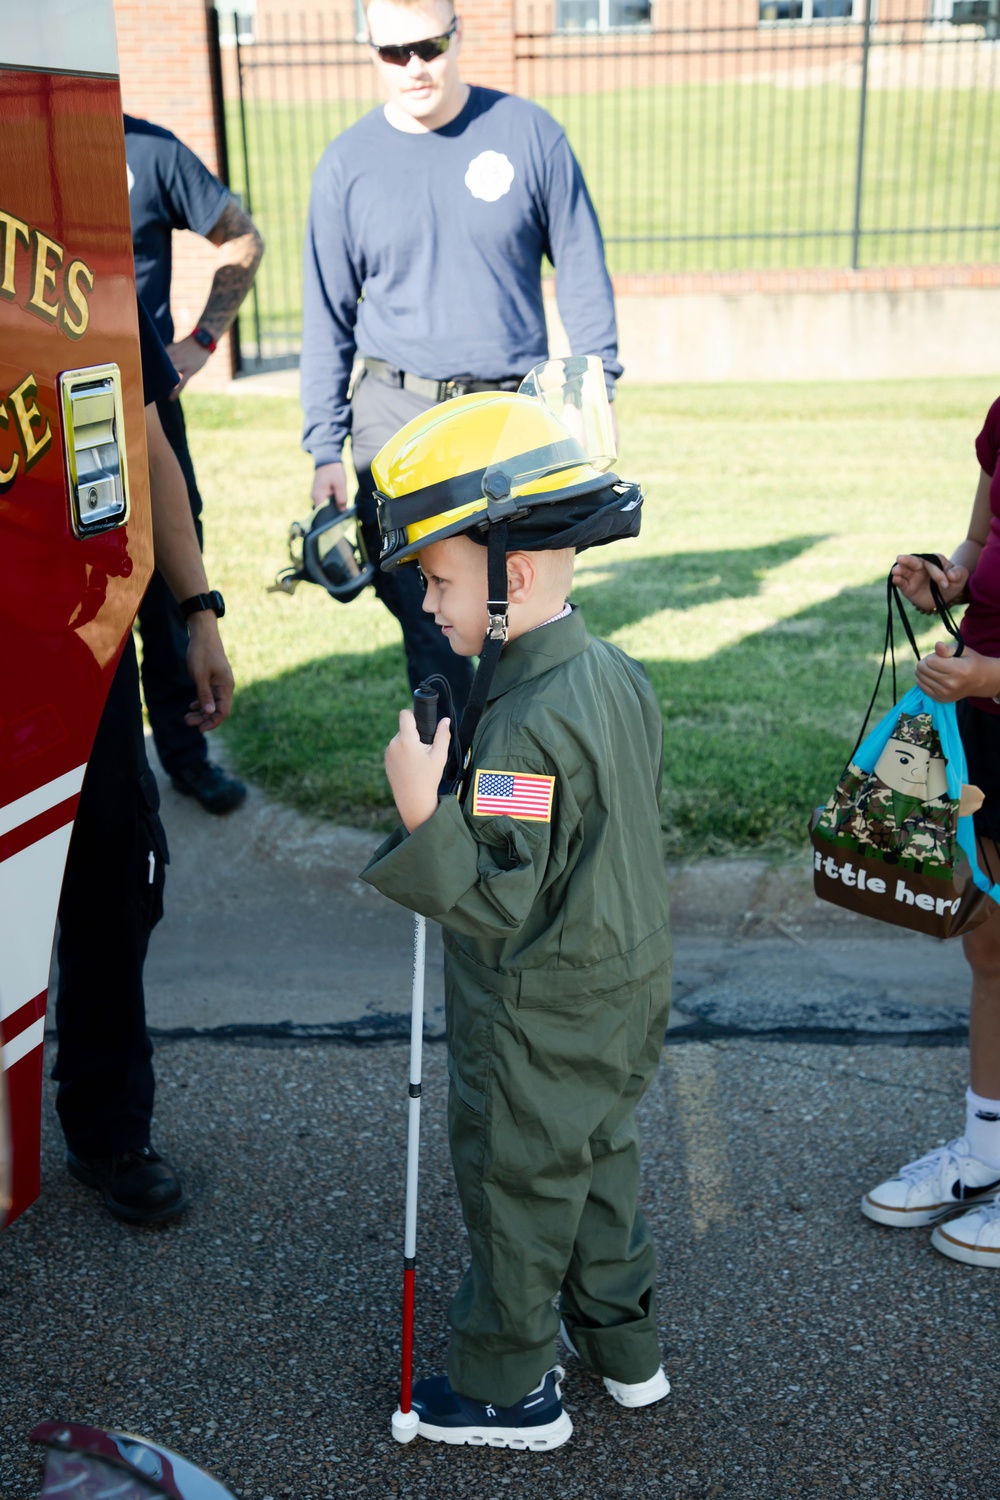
[406,1371]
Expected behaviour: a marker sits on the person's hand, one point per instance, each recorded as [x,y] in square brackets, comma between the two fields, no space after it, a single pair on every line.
[912,575]
[330,483]
[946,677]
[213,676]
[415,769]
[187,358]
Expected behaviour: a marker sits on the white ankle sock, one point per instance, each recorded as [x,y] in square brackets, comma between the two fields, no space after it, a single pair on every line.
[982,1127]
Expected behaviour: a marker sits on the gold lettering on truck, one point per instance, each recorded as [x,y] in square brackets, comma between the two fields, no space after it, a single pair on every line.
[11,230]
[67,304]
[78,272]
[22,398]
[7,476]
[43,274]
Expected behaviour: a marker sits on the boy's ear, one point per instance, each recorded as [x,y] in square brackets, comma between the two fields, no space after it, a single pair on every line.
[522,573]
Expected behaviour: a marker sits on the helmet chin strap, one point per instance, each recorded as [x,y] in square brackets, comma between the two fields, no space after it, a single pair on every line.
[493,644]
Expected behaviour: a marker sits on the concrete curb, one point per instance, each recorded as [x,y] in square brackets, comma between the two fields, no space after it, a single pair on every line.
[735,896]
[731,896]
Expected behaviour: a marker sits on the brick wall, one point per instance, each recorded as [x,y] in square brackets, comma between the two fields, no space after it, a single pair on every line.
[163,56]
[488,48]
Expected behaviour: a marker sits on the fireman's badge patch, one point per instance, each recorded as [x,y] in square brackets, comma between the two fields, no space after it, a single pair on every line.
[489,176]
[513,794]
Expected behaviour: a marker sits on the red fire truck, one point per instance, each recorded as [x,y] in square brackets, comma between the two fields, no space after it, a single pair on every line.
[75,537]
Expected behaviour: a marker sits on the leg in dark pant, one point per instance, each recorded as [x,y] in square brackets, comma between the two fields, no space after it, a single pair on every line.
[377,412]
[112,897]
[166,683]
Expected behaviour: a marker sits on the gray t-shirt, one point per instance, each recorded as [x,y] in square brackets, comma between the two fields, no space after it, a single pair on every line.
[426,251]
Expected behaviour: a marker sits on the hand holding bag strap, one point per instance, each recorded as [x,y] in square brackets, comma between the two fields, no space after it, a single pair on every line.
[939,604]
[889,644]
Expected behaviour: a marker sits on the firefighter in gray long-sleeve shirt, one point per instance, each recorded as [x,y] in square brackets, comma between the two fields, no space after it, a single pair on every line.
[428,223]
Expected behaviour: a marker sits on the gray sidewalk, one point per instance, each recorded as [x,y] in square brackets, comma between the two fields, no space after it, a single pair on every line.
[269,931]
[811,1353]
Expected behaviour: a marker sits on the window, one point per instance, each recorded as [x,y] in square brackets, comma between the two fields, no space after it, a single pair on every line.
[985,13]
[236,20]
[602,15]
[812,10]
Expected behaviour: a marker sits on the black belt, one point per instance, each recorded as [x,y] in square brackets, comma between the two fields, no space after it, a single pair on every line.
[436,390]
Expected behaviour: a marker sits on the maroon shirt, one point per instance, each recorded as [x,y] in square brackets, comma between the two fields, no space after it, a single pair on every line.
[981,625]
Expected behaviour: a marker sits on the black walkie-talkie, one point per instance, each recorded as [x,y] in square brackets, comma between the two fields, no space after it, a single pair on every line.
[425,708]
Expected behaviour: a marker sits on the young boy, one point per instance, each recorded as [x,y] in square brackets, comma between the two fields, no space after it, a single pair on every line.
[546,873]
[965,1174]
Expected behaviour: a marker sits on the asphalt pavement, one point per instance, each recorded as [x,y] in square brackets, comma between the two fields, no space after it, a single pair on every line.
[810,1352]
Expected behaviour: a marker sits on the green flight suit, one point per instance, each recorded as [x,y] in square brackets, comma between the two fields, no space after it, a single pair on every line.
[557,986]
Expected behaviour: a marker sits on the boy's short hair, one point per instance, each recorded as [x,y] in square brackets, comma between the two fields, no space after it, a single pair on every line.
[556,566]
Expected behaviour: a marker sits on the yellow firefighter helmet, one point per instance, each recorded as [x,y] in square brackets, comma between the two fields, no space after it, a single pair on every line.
[534,459]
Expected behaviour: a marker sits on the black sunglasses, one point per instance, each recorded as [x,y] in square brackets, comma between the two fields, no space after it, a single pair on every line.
[427,50]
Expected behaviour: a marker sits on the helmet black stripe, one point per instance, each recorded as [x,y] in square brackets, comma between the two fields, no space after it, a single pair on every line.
[465,489]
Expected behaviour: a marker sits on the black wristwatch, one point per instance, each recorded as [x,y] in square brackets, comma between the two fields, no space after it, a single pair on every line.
[213,601]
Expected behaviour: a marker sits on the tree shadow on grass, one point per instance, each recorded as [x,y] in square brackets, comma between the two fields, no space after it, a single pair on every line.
[628,590]
[756,734]
[315,736]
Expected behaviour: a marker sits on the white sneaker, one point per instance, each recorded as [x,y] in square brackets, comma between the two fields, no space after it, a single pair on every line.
[931,1188]
[973,1237]
[639,1393]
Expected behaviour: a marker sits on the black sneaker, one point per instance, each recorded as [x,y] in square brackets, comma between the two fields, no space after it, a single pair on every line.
[538,1422]
[141,1187]
[209,784]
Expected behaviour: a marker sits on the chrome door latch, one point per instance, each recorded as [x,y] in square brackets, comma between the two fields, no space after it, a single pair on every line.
[93,433]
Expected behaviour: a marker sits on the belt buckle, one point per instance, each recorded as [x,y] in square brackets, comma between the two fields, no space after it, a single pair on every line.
[447,390]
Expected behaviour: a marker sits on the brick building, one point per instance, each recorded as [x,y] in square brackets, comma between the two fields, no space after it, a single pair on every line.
[164,56]
[922,300]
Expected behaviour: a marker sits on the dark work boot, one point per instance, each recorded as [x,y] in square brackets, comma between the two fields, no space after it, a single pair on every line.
[141,1187]
[209,784]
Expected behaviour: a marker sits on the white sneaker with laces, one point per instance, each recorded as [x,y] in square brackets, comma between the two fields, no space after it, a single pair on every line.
[638,1393]
[931,1188]
[973,1237]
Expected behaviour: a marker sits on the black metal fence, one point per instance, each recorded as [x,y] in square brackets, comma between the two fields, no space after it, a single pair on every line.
[856,141]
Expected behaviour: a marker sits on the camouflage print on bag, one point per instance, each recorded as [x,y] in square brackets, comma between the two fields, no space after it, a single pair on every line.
[900,812]
[886,843]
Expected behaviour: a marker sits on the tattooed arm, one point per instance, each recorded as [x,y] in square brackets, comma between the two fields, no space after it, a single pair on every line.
[240,249]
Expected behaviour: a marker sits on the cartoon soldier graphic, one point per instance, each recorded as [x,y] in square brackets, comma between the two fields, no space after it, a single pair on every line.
[900,811]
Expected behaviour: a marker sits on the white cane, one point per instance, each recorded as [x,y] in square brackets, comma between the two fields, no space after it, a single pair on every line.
[405,1419]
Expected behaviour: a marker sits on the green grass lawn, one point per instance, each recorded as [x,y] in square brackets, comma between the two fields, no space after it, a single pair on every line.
[754,596]
[718,167]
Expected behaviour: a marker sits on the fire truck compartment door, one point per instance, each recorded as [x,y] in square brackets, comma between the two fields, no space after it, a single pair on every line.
[95,448]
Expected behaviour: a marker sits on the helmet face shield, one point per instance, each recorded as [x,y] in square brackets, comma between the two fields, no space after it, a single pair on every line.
[327,549]
[572,395]
[574,390]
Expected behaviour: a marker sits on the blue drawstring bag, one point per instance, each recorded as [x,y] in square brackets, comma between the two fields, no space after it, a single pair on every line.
[896,840]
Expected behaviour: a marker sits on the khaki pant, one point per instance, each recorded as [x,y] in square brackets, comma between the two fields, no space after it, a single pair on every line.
[546,1154]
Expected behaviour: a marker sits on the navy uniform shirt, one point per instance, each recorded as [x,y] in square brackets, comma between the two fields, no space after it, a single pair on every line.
[158,374]
[169,188]
[445,232]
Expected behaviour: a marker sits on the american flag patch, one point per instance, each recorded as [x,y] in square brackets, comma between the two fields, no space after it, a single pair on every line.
[514,794]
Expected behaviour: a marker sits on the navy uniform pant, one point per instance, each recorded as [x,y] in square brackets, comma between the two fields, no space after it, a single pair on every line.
[112,897]
[166,682]
[378,411]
